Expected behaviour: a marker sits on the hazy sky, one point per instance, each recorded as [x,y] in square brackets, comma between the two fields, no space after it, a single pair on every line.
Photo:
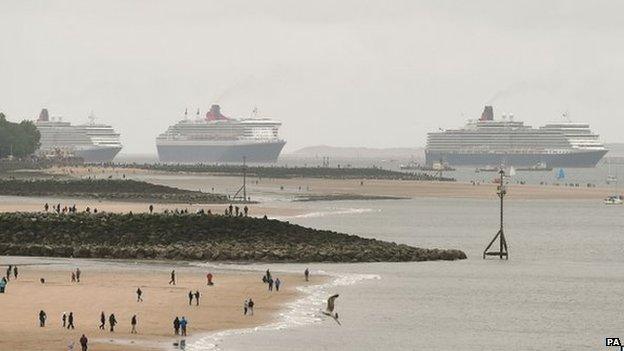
[343,73]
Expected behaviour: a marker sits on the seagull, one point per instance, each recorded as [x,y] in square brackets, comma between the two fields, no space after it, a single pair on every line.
[330,308]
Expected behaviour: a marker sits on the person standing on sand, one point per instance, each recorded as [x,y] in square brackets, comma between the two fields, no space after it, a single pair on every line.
[46,207]
[151,208]
[246,210]
[133,322]
[112,321]
[78,275]
[176,326]
[250,306]
[196,298]
[277,284]
[64,319]
[70,321]
[183,323]
[102,320]
[73,277]
[83,342]
[15,272]
[42,318]
[307,274]
[209,278]
[245,307]
[190,295]
[139,293]
[8,273]
[3,284]
[172,280]
[270,284]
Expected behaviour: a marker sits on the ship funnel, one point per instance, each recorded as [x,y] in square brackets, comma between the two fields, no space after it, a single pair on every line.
[215,114]
[488,114]
[43,115]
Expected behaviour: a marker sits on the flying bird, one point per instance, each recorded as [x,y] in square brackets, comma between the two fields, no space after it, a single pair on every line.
[330,308]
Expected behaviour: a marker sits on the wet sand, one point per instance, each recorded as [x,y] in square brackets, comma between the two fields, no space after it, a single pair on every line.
[111,288]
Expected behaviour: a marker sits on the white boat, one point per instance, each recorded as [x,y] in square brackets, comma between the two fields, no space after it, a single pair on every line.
[614,200]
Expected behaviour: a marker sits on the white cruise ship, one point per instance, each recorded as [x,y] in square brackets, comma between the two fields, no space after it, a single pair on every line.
[494,142]
[93,142]
[216,138]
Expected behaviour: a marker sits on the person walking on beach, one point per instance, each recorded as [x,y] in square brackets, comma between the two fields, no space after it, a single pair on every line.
[172,280]
[64,319]
[270,284]
[73,277]
[15,272]
[3,284]
[42,318]
[245,307]
[139,293]
[133,322]
[78,272]
[277,284]
[83,342]
[183,323]
[176,326]
[151,208]
[102,321]
[190,295]
[209,278]
[112,321]
[250,306]
[306,273]
[8,273]
[268,275]
[46,207]
[196,298]
[70,321]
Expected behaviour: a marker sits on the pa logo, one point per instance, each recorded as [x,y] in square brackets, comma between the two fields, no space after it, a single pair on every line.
[615,342]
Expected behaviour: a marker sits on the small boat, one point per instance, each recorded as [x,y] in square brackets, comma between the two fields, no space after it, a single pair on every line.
[538,167]
[614,200]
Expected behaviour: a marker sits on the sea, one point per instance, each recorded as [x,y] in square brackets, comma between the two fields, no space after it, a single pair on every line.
[560,289]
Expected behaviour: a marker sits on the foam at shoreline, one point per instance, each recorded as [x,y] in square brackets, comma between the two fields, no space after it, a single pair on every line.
[303,311]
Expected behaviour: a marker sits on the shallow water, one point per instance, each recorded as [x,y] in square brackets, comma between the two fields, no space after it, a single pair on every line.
[559,290]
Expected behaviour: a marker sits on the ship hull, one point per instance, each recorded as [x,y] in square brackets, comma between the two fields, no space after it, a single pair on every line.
[197,153]
[98,155]
[580,159]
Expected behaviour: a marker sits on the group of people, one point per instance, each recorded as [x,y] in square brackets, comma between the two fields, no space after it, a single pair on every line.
[195,295]
[75,276]
[66,209]
[179,326]
[234,211]
[248,307]
[268,279]
[5,280]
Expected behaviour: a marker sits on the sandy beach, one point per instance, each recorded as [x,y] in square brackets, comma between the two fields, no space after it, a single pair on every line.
[112,288]
[316,186]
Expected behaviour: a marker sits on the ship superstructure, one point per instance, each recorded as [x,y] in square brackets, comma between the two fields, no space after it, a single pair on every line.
[487,141]
[93,142]
[216,138]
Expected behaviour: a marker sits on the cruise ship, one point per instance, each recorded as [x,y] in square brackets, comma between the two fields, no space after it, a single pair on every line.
[487,141]
[215,138]
[93,142]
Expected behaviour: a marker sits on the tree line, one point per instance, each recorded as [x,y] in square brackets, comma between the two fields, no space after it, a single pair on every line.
[18,139]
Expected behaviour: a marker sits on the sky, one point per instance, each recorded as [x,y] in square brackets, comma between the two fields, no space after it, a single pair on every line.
[341,73]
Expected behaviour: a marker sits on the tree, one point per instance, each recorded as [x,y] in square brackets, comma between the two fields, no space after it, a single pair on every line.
[18,139]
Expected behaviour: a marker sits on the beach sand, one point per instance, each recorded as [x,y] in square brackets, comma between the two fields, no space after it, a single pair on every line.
[111,288]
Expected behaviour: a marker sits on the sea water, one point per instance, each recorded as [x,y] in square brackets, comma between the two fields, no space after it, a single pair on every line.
[561,288]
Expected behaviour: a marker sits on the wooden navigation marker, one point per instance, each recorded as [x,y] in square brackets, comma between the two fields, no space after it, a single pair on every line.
[502,248]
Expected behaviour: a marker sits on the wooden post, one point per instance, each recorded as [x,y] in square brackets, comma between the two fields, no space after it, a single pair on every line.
[502,250]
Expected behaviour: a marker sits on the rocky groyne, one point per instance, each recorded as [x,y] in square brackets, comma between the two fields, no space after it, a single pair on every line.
[106,189]
[194,237]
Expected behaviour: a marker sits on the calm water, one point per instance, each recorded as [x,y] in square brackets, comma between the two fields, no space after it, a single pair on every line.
[560,290]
